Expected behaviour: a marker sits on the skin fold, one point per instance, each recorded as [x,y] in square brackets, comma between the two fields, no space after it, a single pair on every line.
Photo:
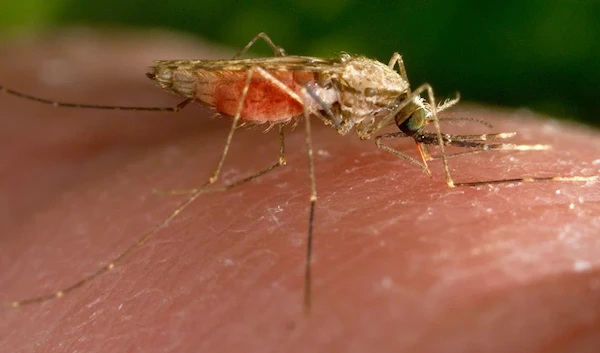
[402,262]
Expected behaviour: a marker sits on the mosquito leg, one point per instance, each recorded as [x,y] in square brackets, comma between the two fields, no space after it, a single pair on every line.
[313,203]
[397,59]
[153,231]
[111,265]
[57,104]
[427,87]
[448,103]
[215,174]
[575,178]
[278,51]
[150,234]
[281,162]
[398,153]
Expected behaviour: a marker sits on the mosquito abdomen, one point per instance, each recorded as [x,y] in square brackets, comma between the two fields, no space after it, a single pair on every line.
[174,79]
[222,89]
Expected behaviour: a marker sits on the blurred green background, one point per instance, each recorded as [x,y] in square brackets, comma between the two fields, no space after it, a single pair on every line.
[538,54]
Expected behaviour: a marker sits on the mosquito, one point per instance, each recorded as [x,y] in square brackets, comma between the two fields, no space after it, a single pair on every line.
[346,93]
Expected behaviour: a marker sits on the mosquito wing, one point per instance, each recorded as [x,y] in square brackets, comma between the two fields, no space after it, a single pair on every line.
[284,63]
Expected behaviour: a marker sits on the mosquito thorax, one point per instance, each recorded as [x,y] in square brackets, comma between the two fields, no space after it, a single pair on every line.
[367,88]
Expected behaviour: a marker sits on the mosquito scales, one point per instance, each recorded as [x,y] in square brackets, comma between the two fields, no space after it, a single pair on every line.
[347,93]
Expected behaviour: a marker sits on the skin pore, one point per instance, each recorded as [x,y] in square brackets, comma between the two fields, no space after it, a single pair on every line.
[402,262]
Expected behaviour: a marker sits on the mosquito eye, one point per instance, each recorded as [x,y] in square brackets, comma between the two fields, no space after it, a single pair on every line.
[415,123]
[370,92]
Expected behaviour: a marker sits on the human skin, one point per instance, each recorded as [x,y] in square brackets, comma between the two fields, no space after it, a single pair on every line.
[403,263]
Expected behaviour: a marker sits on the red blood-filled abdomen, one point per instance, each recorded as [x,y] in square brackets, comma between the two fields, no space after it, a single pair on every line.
[265,102]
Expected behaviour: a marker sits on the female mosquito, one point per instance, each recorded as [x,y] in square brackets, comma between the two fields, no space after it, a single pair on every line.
[347,93]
